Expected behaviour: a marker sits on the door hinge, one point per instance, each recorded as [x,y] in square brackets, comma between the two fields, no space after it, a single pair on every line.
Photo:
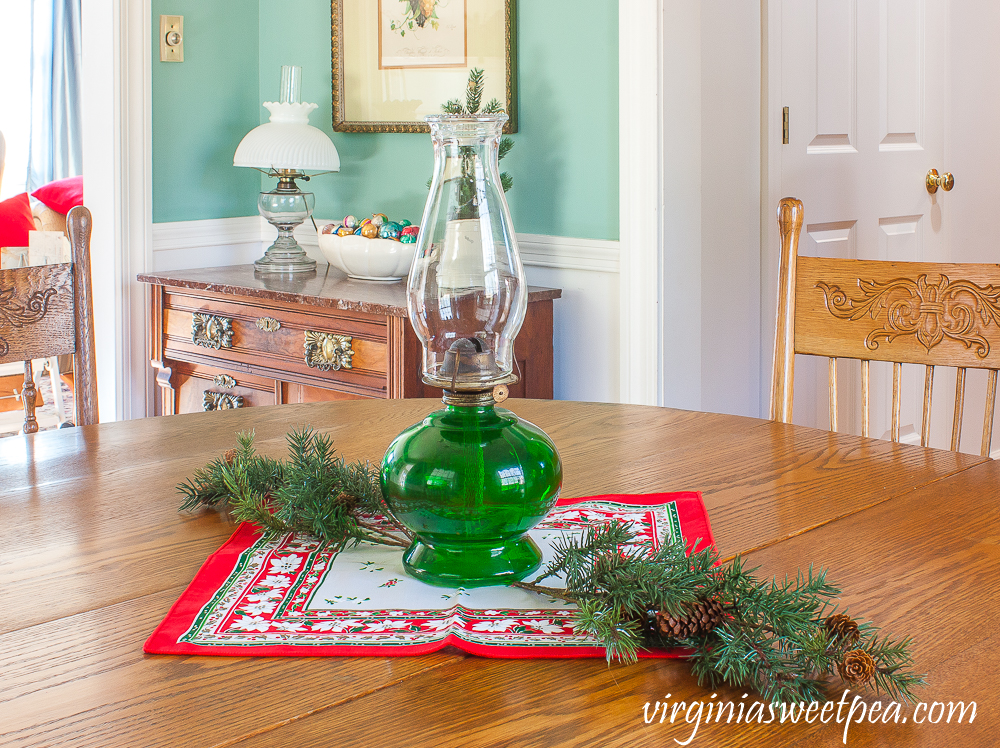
[784,126]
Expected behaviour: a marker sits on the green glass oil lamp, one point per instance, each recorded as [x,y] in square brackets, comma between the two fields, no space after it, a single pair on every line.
[471,479]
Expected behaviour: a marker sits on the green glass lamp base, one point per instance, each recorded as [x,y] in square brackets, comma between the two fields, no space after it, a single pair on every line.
[470,481]
[472,564]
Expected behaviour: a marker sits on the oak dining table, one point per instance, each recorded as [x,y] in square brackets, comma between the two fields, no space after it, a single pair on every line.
[93,552]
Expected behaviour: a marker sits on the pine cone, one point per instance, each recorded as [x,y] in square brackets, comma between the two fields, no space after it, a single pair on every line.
[842,630]
[858,667]
[229,456]
[701,617]
[348,500]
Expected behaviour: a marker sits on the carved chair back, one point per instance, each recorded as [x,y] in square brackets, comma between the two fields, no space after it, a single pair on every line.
[48,310]
[933,314]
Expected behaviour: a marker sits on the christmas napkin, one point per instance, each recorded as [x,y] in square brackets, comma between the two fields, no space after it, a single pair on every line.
[291,595]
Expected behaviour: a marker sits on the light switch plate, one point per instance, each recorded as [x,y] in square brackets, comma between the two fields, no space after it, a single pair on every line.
[171,38]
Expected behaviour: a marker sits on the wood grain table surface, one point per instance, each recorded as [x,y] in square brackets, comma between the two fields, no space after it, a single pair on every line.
[93,552]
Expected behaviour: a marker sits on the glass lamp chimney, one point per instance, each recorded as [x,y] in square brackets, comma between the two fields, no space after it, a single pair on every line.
[467,294]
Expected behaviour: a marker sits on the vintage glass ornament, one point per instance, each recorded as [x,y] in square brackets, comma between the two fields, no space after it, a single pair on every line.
[471,479]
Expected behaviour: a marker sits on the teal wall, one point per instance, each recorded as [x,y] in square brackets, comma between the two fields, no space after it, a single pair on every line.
[564,163]
[202,107]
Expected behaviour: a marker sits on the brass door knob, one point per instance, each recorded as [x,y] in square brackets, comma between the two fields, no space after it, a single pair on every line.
[945,181]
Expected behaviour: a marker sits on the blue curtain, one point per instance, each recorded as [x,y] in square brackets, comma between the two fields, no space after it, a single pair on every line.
[56,144]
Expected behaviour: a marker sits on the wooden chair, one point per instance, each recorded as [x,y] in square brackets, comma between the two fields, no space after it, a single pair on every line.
[934,314]
[48,310]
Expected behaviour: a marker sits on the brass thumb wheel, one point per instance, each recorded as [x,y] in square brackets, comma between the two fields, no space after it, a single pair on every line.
[945,181]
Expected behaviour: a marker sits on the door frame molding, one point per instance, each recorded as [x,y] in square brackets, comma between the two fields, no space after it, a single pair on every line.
[660,210]
[640,180]
[117,152]
[770,188]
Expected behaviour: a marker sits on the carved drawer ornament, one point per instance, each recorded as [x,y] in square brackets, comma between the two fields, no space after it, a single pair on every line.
[222,401]
[930,312]
[16,315]
[211,332]
[325,351]
[224,380]
[268,324]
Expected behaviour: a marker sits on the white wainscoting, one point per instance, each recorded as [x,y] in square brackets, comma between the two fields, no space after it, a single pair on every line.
[586,318]
[211,243]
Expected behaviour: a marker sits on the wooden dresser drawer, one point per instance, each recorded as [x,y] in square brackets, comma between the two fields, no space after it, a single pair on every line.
[344,349]
[204,388]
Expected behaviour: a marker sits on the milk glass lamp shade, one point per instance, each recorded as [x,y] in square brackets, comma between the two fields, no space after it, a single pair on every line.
[286,147]
[288,141]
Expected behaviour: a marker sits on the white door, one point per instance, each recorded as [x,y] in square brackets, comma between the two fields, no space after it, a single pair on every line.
[865,85]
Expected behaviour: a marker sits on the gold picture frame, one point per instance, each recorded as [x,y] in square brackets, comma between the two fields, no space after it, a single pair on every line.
[383,82]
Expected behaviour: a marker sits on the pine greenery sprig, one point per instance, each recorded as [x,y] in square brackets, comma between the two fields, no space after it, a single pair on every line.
[207,486]
[493,106]
[471,107]
[771,637]
[314,491]
[474,90]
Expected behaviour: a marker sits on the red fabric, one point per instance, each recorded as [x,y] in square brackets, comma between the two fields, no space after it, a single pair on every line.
[218,568]
[62,194]
[15,221]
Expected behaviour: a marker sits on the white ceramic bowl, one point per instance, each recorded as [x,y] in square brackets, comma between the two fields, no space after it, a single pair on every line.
[368,259]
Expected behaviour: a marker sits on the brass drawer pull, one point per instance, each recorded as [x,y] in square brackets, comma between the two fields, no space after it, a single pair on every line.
[210,331]
[222,401]
[224,380]
[268,324]
[325,351]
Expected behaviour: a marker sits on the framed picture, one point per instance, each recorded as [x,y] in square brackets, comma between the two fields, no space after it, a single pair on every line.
[396,61]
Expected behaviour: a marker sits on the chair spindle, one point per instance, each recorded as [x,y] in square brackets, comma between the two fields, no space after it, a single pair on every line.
[28,395]
[956,425]
[864,398]
[833,394]
[925,424]
[991,398]
[897,386]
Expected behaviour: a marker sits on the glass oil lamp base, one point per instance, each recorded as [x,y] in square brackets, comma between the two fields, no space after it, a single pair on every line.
[285,257]
[472,564]
[285,207]
[298,265]
[470,480]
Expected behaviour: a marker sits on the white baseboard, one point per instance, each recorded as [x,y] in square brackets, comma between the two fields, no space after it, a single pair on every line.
[232,241]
